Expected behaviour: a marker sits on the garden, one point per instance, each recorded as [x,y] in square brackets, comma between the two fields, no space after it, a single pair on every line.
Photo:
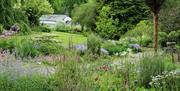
[109,45]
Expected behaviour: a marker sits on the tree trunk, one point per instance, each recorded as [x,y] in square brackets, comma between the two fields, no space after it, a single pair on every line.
[155,45]
[82,27]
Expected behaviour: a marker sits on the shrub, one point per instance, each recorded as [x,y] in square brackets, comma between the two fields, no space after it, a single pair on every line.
[61,27]
[142,33]
[43,29]
[163,36]
[71,76]
[33,82]
[116,49]
[46,45]
[153,66]
[94,44]
[174,36]
[77,28]
[150,66]
[24,28]
[1,28]
[106,81]
[15,76]
[25,48]
[3,44]
[8,44]
[146,41]
[21,47]
[169,18]
[48,49]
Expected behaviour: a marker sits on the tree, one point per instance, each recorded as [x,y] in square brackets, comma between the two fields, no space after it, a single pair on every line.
[65,6]
[155,7]
[169,18]
[128,12]
[35,8]
[105,26]
[85,14]
[6,8]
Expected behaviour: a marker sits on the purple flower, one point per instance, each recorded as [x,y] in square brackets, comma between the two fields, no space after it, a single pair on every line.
[104,51]
[80,47]
[137,47]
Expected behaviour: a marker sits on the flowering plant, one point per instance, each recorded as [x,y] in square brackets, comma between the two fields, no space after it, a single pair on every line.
[167,81]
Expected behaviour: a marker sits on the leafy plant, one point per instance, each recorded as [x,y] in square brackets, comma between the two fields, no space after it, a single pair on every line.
[20,83]
[142,33]
[150,65]
[115,18]
[49,49]
[46,45]
[72,76]
[116,49]
[66,5]
[173,36]
[169,16]
[61,27]
[94,44]
[106,27]
[43,29]
[167,81]
[163,38]
[7,12]
[35,8]
[1,28]
[25,48]
[24,28]
[85,14]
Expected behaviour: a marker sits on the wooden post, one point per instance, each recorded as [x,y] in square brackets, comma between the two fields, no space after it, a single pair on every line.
[155,45]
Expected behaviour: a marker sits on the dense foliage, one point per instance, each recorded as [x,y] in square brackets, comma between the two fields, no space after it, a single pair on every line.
[65,6]
[85,14]
[35,8]
[120,15]
[170,16]
[106,46]
[6,7]
[142,33]
[9,14]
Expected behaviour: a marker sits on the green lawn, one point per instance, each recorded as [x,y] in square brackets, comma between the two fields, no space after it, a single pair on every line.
[63,37]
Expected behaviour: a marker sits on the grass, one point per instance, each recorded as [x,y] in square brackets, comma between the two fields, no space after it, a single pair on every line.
[24,83]
[65,37]
[76,38]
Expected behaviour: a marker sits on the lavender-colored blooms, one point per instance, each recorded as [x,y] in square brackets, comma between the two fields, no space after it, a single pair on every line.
[104,51]
[80,47]
[10,65]
[83,48]
[137,47]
